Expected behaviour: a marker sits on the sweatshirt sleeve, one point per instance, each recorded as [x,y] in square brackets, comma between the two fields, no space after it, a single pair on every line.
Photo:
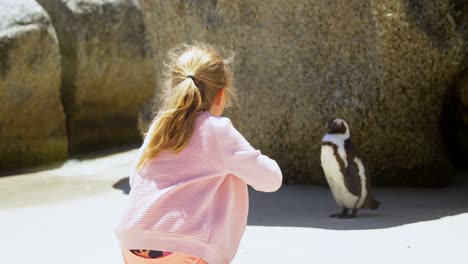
[245,162]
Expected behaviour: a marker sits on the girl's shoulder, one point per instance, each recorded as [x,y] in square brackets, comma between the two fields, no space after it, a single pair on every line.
[217,122]
[225,132]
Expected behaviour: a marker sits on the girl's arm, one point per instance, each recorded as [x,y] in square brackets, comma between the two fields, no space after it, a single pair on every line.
[245,162]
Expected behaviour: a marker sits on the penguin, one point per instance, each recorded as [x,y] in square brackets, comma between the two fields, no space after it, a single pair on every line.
[345,171]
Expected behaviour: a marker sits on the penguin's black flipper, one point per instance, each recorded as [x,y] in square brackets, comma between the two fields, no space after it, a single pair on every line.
[352,179]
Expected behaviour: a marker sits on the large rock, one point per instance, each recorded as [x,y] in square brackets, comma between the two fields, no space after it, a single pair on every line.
[455,121]
[382,65]
[463,95]
[108,70]
[32,121]
[463,131]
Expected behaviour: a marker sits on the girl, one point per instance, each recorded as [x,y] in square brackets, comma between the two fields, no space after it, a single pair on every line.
[189,201]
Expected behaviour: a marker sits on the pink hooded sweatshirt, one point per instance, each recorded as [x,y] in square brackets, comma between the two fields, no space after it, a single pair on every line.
[196,201]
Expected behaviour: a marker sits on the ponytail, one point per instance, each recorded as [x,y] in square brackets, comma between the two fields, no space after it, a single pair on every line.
[174,126]
[192,79]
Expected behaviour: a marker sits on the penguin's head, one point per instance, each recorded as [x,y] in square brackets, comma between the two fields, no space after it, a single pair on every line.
[338,126]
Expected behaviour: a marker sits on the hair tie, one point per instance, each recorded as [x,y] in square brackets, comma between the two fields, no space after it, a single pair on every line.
[191,77]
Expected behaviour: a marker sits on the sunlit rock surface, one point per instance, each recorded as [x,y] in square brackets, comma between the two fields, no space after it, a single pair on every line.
[32,120]
[384,66]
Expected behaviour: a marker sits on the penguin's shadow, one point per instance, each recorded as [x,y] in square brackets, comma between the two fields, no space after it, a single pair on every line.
[310,206]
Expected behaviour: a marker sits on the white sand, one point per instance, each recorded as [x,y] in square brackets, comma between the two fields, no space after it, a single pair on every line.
[65,215]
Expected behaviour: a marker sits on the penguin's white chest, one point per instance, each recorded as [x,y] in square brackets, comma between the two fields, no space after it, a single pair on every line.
[335,179]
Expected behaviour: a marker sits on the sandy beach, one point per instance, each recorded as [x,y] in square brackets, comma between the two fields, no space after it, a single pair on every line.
[65,215]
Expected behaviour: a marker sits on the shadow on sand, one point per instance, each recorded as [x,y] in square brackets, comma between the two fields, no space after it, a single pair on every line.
[310,206]
[122,185]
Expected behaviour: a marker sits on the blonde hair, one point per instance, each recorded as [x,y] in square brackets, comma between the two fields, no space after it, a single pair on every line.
[193,76]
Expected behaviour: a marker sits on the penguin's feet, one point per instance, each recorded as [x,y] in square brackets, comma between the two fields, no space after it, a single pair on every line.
[343,213]
[348,216]
[336,215]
